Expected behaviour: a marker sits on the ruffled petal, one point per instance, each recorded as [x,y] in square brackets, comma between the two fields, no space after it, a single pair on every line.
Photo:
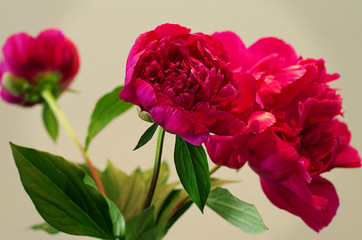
[345,156]
[348,157]
[313,110]
[291,91]
[145,94]
[247,89]
[271,157]
[170,30]
[222,123]
[147,38]
[177,121]
[127,95]
[235,48]
[228,151]
[259,121]
[225,94]
[317,210]
[268,46]
[274,83]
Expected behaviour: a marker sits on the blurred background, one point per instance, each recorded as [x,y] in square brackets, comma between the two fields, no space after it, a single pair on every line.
[104,32]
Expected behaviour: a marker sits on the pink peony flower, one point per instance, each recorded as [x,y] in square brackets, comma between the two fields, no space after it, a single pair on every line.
[295,136]
[183,81]
[31,64]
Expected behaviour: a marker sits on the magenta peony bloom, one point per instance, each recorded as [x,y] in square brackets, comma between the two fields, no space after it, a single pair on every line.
[183,81]
[297,136]
[31,64]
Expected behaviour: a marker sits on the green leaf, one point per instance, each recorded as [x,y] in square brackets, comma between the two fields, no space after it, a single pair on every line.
[146,136]
[175,197]
[107,108]
[129,192]
[140,224]
[170,202]
[50,121]
[240,214]
[161,194]
[65,196]
[217,182]
[45,227]
[155,233]
[133,195]
[183,208]
[193,171]
[143,227]
[113,181]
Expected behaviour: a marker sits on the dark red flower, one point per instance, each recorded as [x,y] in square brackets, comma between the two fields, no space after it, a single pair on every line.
[183,81]
[296,136]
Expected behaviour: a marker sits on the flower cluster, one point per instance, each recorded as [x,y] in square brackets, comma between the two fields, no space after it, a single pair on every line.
[30,65]
[263,105]
[304,139]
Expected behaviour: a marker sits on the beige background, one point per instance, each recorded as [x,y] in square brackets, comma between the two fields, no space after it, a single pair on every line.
[104,32]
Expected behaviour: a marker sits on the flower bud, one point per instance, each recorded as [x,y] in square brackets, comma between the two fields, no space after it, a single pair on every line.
[31,65]
[145,116]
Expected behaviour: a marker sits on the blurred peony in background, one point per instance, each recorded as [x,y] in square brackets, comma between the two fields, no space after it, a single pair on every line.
[105,32]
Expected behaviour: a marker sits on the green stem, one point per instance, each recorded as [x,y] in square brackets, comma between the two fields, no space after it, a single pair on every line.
[49,98]
[156,168]
[214,169]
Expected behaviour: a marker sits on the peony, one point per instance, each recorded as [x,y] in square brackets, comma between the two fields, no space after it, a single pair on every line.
[184,82]
[298,137]
[29,65]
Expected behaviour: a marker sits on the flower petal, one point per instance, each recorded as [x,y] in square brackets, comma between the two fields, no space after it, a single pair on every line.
[3,69]
[177,121]
[268,46]
[271,157]
[17,52]
[229,151]
[59,54]
[259,121]
[288,198]
[313,110]
[144,93]
[235,48]
[347,158]
[222,123]
[247,88]
[10,98]
[291,91]
[170,30]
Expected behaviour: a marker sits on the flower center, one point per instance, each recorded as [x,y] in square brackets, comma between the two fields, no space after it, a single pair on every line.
[183,70]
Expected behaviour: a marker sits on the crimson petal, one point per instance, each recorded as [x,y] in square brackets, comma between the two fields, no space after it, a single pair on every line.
[267,46]
[272,158]
[177,121]
[323,194]
[235,48]
[229,151]
[17,52]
